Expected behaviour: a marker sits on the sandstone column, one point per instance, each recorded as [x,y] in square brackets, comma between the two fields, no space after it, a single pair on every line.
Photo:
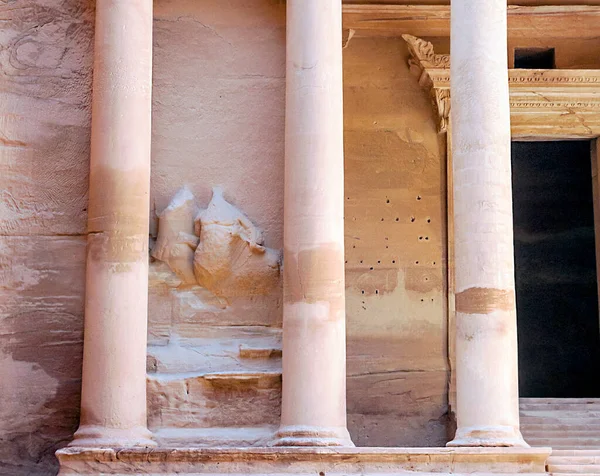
[113,398]
[486,334]
[314,335]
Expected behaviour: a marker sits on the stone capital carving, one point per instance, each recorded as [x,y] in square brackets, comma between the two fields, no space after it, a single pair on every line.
[423,62]
[544,103]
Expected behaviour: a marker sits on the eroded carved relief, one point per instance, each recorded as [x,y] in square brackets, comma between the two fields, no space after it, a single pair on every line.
[543,102]
[218,248]
[176,240]
[422,62]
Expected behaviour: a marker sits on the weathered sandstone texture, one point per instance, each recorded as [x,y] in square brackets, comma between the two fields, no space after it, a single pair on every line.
[45,82]
[304,461]
[218,336]
[176,239]
[395,251]
[218,248]
[230,259]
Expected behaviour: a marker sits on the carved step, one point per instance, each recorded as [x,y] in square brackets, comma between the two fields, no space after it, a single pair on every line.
[570,473]
[561,434]
[573,468]
[575,452]
[223,399]
[570,407]
[251,348]
[215,437]
[581,425]
[557,420]
[566,460]
[559,414]
[560,442]
[542,401]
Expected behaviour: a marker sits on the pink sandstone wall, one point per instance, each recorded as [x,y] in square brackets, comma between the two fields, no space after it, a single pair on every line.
[395,251]
[218,119]
[45,81]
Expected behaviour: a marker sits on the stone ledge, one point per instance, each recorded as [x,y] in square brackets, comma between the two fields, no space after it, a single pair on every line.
[246,461]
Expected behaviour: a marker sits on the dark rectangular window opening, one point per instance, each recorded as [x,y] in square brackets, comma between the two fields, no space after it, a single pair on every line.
[534,58]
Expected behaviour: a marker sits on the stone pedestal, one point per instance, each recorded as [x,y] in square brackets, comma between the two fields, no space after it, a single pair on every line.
[303,461]
[486,332]
[113,397]
[314,340]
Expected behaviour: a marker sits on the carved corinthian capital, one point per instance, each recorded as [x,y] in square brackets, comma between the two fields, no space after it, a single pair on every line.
[429,66]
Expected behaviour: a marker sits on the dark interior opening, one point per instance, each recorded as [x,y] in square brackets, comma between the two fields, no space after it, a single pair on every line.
[555,266]
[534,58]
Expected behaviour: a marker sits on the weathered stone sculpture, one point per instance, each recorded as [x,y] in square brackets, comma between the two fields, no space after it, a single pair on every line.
[176,239]
[218,248]
[230,259]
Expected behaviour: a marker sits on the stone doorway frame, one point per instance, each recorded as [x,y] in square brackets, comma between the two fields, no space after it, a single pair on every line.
[554,104]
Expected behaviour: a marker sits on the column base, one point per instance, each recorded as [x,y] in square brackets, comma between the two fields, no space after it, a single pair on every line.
[490,436]
[99,436]
[299,435]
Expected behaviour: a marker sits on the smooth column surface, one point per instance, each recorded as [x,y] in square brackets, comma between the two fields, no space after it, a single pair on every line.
[314,330]
[486,333]
[113,397]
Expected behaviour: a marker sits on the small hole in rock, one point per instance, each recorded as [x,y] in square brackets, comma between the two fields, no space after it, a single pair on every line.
[363,291]
[412,219]
[397,219]
[387,201]
[416,262]
[429,220]
[418,197]
[382,219]
[394,261]
[422,300]
[378,261]
[362,261]
[371,268]
[377,291]
[426,237]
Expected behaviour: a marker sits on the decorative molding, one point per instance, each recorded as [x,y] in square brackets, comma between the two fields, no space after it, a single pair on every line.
[524,21]
[544,103]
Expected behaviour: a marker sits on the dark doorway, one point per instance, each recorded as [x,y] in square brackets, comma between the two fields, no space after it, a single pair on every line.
[555,265]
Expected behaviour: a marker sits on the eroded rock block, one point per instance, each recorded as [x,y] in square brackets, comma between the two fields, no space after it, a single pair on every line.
[230,259]
[219,248]
[176,240]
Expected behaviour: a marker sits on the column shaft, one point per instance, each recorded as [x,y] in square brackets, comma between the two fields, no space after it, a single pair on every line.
[314,335]
[486,334]
[113,399]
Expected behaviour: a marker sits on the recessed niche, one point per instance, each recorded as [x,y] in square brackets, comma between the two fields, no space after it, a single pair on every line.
[534,58]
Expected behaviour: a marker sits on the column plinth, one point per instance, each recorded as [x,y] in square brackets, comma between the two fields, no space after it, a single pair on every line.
[113,395]
[314,328]
[487,397]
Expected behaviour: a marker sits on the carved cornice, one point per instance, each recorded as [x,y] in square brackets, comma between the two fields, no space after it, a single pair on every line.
[541,101]
[382,18]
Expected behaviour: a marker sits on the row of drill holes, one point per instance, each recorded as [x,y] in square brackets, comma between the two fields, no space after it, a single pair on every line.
[388,200]
[412,219]
[393,262]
